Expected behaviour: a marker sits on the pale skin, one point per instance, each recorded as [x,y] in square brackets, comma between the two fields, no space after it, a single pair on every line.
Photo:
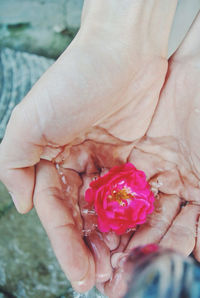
[169,155]
[97,107]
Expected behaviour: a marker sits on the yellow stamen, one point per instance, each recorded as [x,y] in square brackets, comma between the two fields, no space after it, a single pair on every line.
[121,195]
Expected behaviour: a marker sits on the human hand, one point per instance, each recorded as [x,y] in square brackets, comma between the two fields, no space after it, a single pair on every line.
[169,155]
[117,80]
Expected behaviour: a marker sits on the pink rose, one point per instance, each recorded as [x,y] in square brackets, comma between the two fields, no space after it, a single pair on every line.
[122,198]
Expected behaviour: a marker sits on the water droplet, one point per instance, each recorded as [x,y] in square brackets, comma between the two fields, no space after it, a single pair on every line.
[156,184]
[68,189]
[86,211]
[87,232]
[121,182]
[131,230]
[63,179]
[57,166]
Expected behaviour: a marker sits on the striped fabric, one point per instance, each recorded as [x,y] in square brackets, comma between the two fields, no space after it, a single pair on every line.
[18,72]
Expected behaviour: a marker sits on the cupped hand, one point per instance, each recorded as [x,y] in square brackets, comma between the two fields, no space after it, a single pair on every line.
[169,155]
[85,113]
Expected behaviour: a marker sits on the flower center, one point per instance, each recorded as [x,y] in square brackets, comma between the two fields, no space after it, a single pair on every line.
[121,196]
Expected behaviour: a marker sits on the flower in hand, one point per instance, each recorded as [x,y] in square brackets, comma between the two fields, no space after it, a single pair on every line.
[122,199]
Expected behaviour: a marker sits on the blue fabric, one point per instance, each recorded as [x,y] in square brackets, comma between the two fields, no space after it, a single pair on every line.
[163,274]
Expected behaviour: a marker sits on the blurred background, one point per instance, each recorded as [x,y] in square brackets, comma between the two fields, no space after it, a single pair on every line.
[32,34]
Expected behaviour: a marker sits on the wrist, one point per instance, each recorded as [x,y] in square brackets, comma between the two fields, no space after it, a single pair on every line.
[110,14]
[136,23]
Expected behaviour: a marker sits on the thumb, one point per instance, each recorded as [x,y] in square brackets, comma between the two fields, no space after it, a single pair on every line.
[18,155]
[20,184]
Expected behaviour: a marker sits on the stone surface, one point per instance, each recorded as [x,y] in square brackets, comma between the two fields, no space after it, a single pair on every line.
[73,16]
[28,267]
[44,27]
[5,200]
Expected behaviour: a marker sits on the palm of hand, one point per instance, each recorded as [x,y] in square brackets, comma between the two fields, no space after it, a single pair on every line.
[103,146]
[162,152]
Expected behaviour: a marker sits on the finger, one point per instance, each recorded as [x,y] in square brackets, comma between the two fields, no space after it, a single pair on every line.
[20,185]
[181,235]
[150,164]
[119,252]
[71,184]
[197,244]
[124,240]
[18,154]
[90,217]
[72,253]
[166,209]
[117,287]
[172,183]
[112,240]
[100,244]
[88,213]
[102,257]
